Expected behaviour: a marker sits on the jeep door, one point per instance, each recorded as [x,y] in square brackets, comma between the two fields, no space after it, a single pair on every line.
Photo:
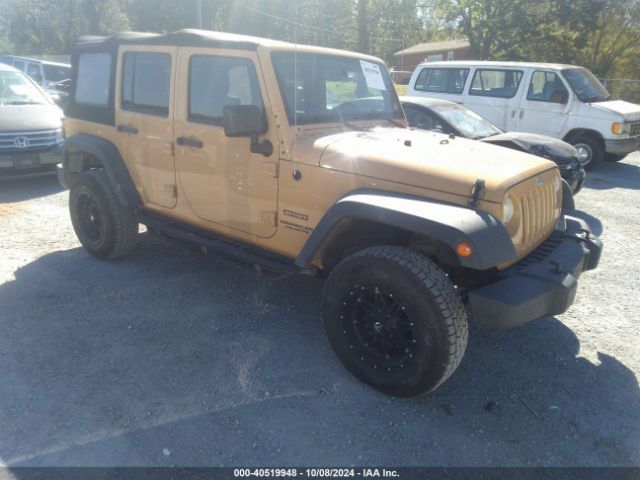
[144,111]
[546,106]
[493,93]
[222,181]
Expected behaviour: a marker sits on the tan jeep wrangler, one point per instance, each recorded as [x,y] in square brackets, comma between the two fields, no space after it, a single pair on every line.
[298,159]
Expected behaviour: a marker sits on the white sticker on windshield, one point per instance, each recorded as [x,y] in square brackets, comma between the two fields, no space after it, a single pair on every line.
[372,75]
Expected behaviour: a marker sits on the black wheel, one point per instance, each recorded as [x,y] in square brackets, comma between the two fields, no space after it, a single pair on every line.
[395,320]
[105,228]
[612,157]
[590,151]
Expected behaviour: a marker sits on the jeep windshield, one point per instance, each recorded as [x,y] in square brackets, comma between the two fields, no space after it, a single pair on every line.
[586,86]
[17,89]
[319,88]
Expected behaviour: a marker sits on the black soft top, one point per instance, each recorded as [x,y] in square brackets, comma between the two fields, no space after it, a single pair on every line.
[180,38]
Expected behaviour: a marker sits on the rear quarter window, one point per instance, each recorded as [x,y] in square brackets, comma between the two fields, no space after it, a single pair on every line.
[92,84]
[441,80]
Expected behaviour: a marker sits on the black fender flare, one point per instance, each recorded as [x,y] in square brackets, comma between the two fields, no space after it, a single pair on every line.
[450,224]
[111,161]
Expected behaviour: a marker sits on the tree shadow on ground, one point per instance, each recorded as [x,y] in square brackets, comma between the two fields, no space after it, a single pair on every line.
[614,175]
[116,363]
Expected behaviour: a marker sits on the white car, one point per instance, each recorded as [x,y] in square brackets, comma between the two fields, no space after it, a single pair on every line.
[562,101]
[31,138]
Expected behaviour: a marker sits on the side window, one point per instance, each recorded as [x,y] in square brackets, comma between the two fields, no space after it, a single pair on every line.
[146,79]
[442,80]
[547,87]
[19,64]
[94,74]
[495,83]
[33,70]
[215,82]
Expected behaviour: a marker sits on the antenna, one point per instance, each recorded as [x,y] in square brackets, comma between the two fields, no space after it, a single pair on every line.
[295,84]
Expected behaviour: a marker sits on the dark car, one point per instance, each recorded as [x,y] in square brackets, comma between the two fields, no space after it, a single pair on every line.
[452,118]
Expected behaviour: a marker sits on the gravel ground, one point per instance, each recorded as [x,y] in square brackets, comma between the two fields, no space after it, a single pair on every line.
[172,358]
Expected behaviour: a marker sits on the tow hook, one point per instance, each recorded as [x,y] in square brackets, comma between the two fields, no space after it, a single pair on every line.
[556,267]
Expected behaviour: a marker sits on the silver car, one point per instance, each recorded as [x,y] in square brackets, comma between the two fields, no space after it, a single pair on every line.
[31,137]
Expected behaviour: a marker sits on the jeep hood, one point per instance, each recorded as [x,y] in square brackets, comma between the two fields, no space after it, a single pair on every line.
[630,111]
[17,118]
[540,145]
[430,160]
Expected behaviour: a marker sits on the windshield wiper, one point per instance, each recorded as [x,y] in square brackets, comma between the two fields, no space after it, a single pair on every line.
[23,102]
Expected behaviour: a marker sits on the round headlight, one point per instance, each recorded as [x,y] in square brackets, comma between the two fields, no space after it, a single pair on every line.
[507,210]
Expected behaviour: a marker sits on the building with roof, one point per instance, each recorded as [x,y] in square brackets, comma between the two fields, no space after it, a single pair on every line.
[409,58]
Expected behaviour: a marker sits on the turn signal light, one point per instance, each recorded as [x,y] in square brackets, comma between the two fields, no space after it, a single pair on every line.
[616,128]
[464,249]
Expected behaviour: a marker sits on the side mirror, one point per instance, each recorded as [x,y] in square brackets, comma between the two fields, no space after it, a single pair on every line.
[247,121]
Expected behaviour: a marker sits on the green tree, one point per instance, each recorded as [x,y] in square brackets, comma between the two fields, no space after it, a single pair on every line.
[37,27]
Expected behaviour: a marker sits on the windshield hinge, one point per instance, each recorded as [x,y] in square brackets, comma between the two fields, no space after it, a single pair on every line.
[476,192]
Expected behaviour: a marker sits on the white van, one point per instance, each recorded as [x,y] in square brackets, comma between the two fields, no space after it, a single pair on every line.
[43,72]
[563,101]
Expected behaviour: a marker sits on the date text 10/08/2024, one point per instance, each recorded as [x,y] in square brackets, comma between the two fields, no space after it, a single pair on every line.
[316,472]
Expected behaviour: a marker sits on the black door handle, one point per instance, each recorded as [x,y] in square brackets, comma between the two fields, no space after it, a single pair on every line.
[127,129]
[189,142]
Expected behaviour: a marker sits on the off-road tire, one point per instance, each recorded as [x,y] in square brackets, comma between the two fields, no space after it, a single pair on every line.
[115,237]
[592,144]
[612,157]
[428,300]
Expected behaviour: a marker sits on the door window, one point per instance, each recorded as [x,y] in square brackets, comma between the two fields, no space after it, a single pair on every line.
[495,83]
[442,80]
[216,82]
[146,78]
[547,87]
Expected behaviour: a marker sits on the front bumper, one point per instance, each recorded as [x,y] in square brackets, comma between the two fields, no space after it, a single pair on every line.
[543,283]
[30,163]
[622,146]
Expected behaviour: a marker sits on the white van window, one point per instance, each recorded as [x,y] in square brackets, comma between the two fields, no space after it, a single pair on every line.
[495,83]
[547,87]
[33,70]
[94,75]
[19,64]
[442,80]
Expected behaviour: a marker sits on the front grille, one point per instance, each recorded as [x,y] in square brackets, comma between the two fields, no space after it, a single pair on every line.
[538,255]
[634,129]
[27,141]
[538,206]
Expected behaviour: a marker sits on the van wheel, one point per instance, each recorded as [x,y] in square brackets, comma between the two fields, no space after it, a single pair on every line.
[590,151]
[105,228]
[395,320]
